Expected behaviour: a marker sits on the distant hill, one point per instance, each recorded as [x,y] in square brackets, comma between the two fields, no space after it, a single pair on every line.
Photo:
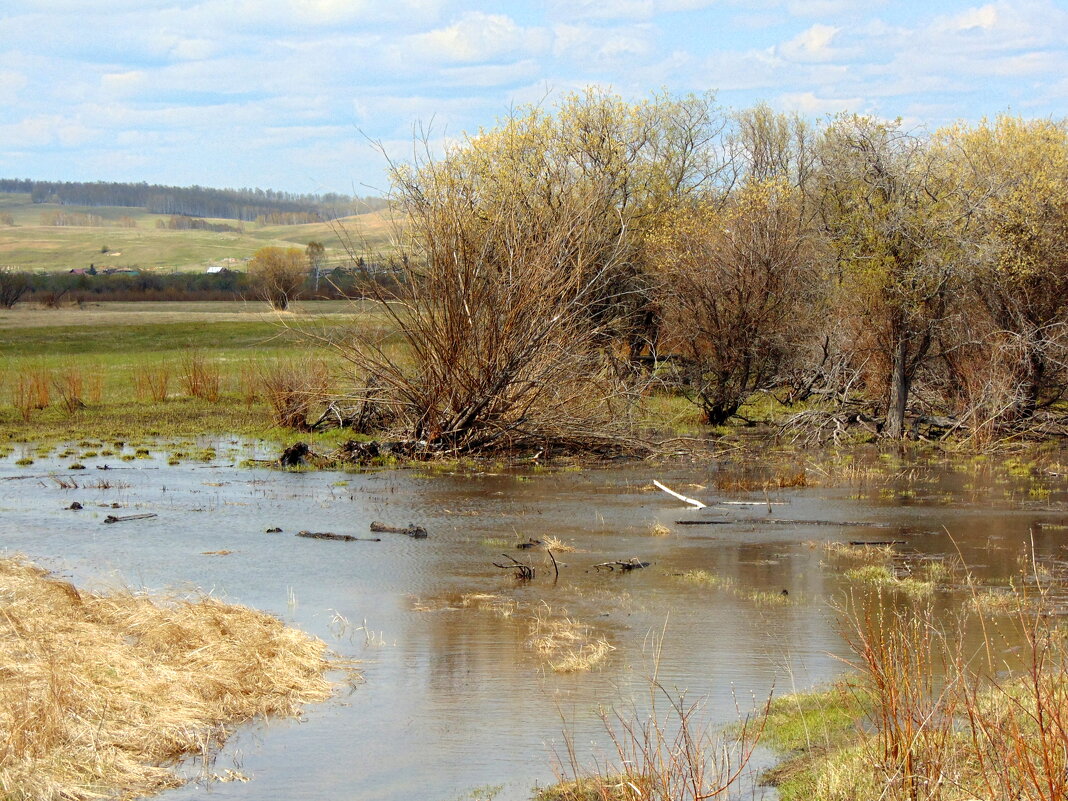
[266,206]
[51,237]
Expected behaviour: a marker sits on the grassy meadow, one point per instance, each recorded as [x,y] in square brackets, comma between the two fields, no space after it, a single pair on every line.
[134,370]
[32,246]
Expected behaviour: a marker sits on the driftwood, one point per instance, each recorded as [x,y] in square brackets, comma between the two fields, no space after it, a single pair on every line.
[778,521]
[124,518]
[522,572]
[530,543]
[703,522]
[413,531]
[623,566]
[327,535]
[683,498]
[75,507]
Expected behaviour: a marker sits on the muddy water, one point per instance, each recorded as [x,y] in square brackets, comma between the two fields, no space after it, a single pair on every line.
[454,697]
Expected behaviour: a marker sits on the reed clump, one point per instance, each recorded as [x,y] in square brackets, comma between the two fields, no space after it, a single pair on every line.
[70,385]
[567,645]
[292,389]
[152,383]
[931,719]
[663,751]
[103,695]
[201,378]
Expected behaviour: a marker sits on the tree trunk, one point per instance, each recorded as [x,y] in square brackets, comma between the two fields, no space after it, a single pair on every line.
[899,391]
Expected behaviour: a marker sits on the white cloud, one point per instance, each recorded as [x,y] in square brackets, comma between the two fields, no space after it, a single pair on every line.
[809,104]
[812,44]
[125,83]
[985,17]
[47,130]
[488,75]
[831,8]
[587,44]
[475,37]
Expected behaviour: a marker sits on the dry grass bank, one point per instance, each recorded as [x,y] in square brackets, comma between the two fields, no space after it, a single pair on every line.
[102,695]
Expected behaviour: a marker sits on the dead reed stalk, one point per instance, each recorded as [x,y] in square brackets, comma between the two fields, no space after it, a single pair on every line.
[152,383]
[292,389]
[69,384]
[663,753]
[201,378]
[902,655]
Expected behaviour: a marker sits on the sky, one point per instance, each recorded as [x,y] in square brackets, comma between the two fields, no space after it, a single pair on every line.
[307,95]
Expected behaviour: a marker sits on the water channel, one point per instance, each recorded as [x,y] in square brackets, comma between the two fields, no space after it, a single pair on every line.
[453,697]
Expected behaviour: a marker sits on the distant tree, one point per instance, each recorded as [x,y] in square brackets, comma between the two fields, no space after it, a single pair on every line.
[278,274]
[13,285]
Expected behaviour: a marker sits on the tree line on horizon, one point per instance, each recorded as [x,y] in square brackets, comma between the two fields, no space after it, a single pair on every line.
[246,205]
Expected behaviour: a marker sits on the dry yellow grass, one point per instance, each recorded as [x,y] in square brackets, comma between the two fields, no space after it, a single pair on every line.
[567,645]
[102,695]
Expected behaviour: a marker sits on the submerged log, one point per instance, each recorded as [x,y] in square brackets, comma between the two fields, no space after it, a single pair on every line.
[329,535]
[411,530]
[124,518]
[634,563]
[780,521]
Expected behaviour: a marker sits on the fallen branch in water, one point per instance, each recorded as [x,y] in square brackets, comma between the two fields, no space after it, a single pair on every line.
[522,572]
[124,518]
[327,535]
[411,530]
[623,566]
[683,498]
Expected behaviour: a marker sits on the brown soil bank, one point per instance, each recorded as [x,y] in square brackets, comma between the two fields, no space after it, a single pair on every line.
[102,695]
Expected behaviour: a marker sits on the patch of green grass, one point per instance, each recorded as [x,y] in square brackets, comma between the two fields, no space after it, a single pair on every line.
[811,730]
[885,577]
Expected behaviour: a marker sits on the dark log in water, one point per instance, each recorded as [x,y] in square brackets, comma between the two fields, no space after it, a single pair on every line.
[631,564]
[412,530]
[328,535]
[124,518]
[780,521]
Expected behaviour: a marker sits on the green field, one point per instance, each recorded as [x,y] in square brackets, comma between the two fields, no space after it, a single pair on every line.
[106,351]
[32,246]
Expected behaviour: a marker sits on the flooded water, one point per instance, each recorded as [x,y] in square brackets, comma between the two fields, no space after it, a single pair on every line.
[455,696]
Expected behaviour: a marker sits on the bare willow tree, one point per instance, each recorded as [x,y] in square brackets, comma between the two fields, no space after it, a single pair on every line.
[522,268]
[892,216]
[13,285]
[738,283]
[499,346]
[1016,266]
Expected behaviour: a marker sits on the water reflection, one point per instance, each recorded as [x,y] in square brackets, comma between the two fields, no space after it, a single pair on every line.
[455,697]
